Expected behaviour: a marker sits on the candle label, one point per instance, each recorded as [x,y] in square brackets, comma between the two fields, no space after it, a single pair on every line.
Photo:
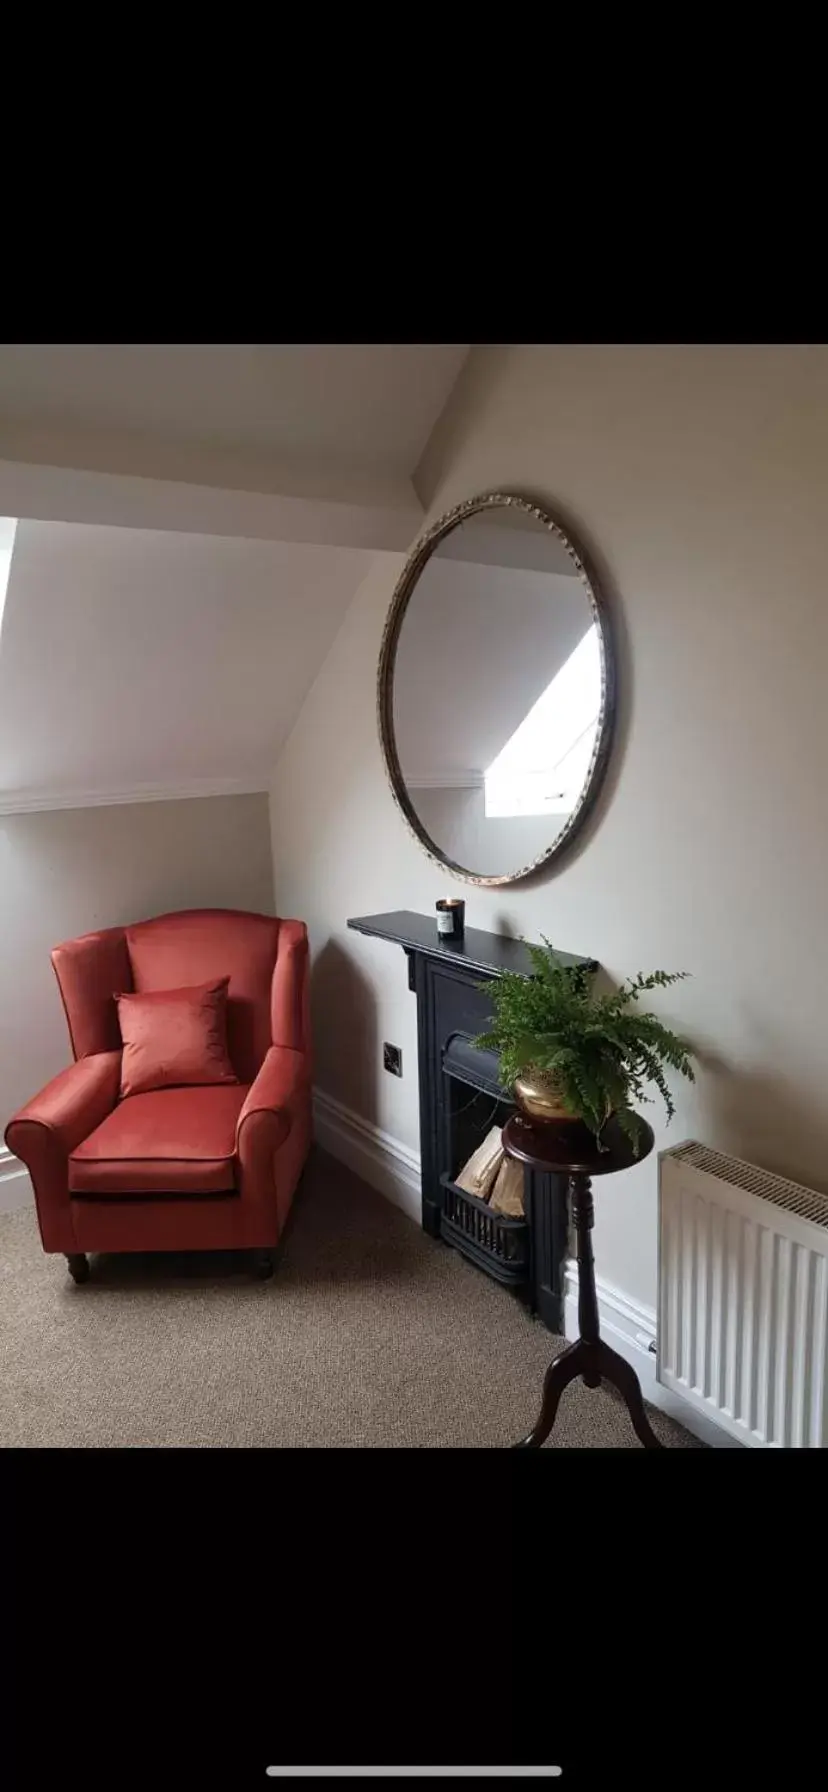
[445,920]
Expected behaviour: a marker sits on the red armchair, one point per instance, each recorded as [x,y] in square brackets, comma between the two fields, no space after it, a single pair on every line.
[207,1168]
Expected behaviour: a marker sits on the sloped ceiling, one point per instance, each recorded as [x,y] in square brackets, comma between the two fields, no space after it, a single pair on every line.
[194,521]
[133,660]
[259,413]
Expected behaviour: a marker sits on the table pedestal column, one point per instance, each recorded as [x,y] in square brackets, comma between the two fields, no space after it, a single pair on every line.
[589,1356]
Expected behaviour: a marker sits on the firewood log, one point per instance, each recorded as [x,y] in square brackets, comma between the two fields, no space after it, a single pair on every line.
[507,1193]
[478,1174]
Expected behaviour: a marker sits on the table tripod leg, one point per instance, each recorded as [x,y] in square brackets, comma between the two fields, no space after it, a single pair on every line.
[616,1369]
[562,1370]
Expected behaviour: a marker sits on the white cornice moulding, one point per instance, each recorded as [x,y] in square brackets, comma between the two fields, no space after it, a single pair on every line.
[30,802]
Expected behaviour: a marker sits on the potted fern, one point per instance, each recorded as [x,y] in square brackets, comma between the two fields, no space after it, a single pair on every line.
[570,1054]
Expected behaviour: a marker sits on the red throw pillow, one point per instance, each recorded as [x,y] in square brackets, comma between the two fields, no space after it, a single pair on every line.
[174,1037]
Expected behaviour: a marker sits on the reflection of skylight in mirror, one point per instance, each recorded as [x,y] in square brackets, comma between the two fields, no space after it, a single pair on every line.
[543,766]
[8,525]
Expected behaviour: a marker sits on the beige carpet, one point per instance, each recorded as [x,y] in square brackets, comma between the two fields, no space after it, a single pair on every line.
[369,1333]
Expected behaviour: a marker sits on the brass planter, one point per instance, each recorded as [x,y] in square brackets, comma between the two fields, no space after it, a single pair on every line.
[538,1095]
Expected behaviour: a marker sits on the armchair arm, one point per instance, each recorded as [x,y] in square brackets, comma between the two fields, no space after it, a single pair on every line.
[280,1090]
[44,1133]
[272,1097]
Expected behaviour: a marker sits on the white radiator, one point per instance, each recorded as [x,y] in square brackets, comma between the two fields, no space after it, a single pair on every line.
[743,1297]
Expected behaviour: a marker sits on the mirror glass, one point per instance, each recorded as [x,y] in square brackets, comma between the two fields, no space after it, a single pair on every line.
[498,693]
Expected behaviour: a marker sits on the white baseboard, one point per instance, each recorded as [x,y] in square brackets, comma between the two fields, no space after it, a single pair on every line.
[15,1187]
[382,1161]
[394,1169]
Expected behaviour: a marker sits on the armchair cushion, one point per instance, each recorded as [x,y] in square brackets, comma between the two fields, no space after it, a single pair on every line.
[169,1141]
[175,1038]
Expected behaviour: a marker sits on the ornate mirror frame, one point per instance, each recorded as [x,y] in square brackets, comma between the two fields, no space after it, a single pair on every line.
[406,585]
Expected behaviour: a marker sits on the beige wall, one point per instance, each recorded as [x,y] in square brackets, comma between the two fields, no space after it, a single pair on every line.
[64,872]
[699,478]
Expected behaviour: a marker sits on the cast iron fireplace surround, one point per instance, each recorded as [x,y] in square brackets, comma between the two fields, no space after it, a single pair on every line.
[461,1098]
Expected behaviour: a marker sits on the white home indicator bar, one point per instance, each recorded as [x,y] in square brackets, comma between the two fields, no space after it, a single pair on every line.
[414,1773]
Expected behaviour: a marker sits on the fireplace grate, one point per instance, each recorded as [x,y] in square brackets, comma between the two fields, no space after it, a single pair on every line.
[497,1242]
[474,1101]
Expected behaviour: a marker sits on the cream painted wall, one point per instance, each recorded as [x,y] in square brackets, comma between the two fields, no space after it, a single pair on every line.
[698,477]
[64,872]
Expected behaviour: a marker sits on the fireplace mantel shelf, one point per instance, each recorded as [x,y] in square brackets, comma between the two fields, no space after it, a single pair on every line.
[477,951]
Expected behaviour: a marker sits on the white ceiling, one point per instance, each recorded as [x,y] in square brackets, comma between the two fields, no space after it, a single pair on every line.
[365,406]
[132,658]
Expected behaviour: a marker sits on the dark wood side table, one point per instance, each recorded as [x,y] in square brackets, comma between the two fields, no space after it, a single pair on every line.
[570,1150]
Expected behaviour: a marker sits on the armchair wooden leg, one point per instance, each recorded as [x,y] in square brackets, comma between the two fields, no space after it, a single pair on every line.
[261,1265]
[78,1266]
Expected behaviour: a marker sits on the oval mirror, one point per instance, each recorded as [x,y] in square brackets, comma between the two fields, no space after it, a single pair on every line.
[496,690]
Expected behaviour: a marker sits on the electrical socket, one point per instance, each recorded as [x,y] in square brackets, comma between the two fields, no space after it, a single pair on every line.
[392,1059]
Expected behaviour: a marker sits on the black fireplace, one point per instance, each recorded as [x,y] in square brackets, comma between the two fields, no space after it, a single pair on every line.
[461,1099]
